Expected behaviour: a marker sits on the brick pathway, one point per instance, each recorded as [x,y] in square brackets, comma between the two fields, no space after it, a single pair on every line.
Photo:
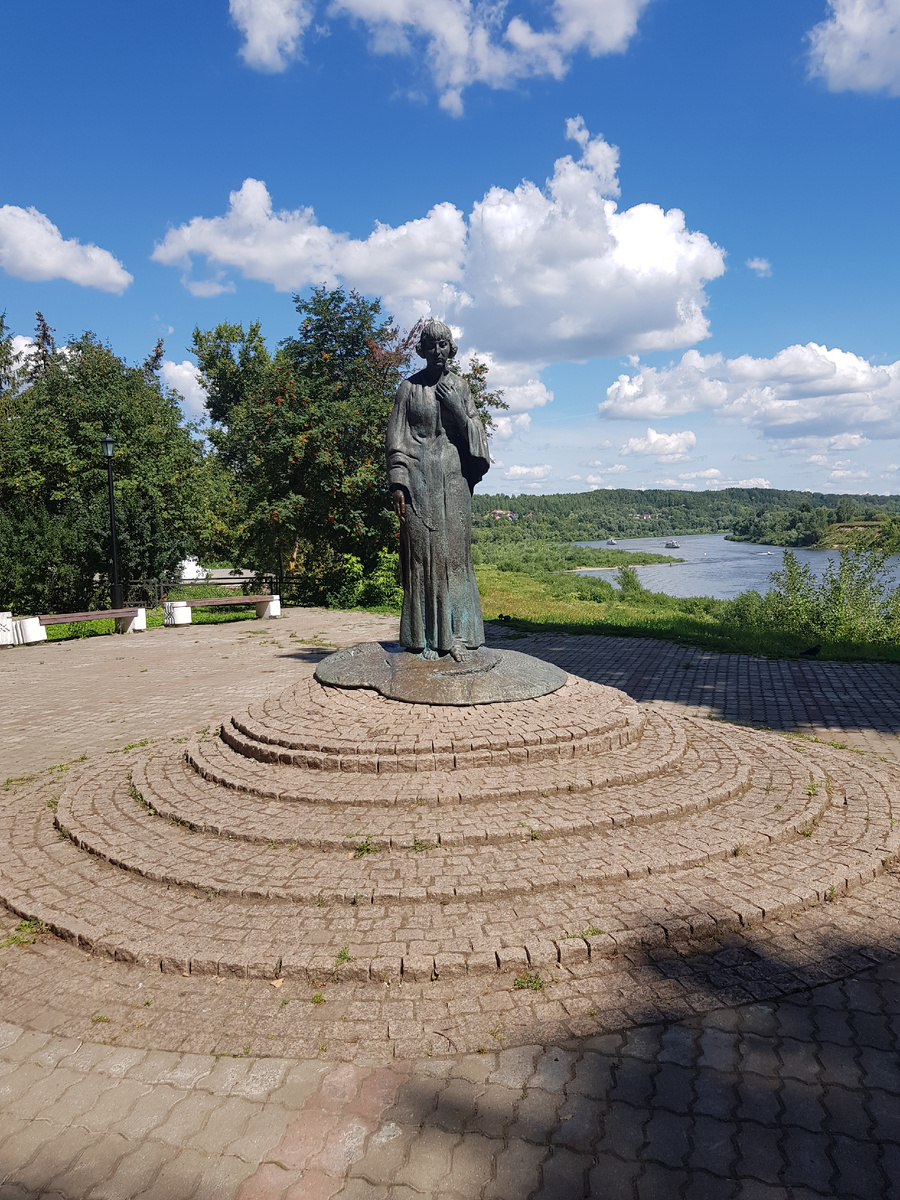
[791,1096]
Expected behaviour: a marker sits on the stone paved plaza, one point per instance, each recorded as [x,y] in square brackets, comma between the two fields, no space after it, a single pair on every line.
[759,1063]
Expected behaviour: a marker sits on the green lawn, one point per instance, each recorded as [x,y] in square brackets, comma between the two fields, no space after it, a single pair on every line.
[199,616]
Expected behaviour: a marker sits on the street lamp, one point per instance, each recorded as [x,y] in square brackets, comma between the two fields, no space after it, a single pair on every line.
[115,587]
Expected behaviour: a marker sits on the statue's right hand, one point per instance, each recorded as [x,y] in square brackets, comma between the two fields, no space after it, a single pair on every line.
[399,498]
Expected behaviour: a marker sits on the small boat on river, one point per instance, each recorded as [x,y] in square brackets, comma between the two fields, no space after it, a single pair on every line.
[672,545]
[611,542]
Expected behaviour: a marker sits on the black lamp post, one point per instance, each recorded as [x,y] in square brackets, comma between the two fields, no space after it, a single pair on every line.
[115,587]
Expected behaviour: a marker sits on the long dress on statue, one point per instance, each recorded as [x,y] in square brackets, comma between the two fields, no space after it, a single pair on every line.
[437,450]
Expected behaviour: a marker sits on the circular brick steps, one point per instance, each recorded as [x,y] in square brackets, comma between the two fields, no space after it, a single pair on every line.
[549,807]
[338,832]
[125,834]
[352,730]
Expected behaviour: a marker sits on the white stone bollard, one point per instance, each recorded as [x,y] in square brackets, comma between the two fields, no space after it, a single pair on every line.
[7,638]
[28,630]
[135,624]
[176,612]
[270,607]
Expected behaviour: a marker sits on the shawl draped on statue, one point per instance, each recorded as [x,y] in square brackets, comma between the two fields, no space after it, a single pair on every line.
[437,451]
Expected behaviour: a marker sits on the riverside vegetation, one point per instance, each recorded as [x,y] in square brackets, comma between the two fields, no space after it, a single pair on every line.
[287,476]
[852,612]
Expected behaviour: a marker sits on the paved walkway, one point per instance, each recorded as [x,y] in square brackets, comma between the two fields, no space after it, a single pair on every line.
[787,1099]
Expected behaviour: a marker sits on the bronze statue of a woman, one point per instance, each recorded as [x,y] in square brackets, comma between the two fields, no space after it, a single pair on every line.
[437,451]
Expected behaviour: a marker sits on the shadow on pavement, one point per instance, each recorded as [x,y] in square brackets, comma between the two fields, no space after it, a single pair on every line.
[788,1097]
[784,694]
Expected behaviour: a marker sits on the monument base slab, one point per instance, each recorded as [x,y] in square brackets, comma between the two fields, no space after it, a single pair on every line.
[483,677]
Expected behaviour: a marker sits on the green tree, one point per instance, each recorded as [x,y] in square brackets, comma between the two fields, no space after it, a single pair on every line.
[54,522]
[233,365]
[43,353]
[8,368]
[484,398]
[302,435]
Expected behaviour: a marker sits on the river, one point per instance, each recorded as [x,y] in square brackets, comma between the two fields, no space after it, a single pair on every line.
[715,567]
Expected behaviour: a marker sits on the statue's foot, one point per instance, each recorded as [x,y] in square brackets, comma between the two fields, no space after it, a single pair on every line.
[459,653]
[429,655]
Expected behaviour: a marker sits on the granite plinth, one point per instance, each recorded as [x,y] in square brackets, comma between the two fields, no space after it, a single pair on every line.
[485,677]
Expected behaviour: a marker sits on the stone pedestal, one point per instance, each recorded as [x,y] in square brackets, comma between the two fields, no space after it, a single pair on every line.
[483,676]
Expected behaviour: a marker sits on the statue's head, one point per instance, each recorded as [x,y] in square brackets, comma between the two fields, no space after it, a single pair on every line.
[433,332]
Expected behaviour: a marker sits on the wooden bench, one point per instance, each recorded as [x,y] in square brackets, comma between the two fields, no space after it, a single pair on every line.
[28,630]
[178,612]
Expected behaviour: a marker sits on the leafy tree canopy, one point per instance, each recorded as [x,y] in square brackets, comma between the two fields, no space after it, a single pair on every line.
[302,433]
[54,522]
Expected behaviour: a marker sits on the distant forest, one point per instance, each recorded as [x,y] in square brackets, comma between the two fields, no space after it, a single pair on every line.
[766,515]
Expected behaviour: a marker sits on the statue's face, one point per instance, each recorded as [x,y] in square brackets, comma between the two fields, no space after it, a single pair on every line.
[437,353]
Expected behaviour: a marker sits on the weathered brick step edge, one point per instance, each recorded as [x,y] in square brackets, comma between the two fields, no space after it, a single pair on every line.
[314,725]
[247,739]
[645,913]
[370,717]
[106,821]
[663,745]
[303,735]
[364,718]
[168,785]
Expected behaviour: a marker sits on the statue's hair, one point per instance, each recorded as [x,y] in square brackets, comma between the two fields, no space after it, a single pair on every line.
[431,331]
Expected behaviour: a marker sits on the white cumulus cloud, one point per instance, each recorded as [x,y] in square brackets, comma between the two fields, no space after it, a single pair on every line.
[532,275]
[536,473]
[272,30]
[32,248]
[183,378]
[803,391]
[844,475]
[761,266]
[665,447]
[458,42]
[521,390]
[840,441]
[713,480]
[408,264]
[857,48]
[507,427]
[21,349]
[755,481]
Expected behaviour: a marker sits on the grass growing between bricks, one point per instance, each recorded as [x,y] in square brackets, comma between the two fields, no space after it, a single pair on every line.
[26,934]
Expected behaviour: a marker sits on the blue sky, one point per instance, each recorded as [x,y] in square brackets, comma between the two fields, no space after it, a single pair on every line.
[669,225]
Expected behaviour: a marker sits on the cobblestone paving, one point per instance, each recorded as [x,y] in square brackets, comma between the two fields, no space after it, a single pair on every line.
[59,700]
[770,1090]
